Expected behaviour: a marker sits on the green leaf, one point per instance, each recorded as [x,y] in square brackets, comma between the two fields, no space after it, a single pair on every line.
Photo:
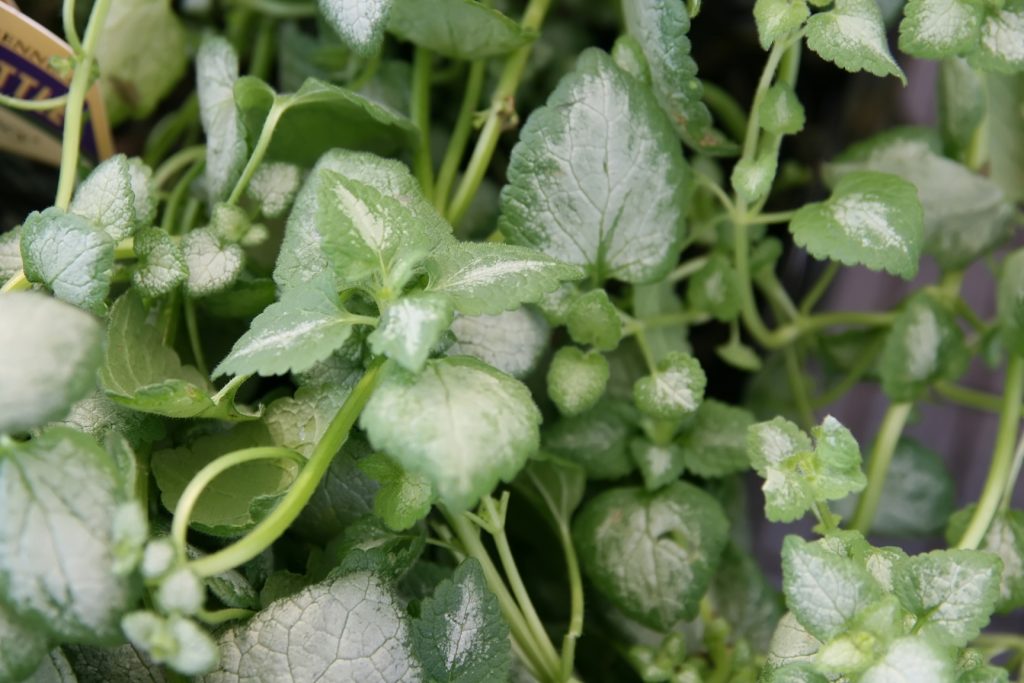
[660,28]
[593,320]
[797,673]
[918,494]
[652,554]
[461,423]
[952,592]
[781,112]
[852,36]
[934,29]
[359,23]
[312,244]
[106,198]
[70,256]
[965,214]
[658,464]
[367,232]
[121,663]
[212,263]
[10,253]
[51,352]
[984,674]
[226,150]
[1005,123]
[235,500]
[871,219]
[1001,37]
[359,617]
[273,187]
[962,104]
[744,597]
[598,440]
[489,278]
[577,187]
[58,495]
[319,116]
[825,591]
[301,329]
[368,545]
[791,644]
[460,634]
[715,289]
[140,372]
[411,327]
[458,29]
[1005,538]
[912,659]
[924,344]
[777,18]
[576,379]
[161,266]
[24,647]
[403,498]
[554,487]
[133,83]
[752,178]
[674,390]
[512,342]
[654,301]
[795,475]
[715,443]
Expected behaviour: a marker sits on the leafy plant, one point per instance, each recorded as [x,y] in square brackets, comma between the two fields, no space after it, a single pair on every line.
[335,395]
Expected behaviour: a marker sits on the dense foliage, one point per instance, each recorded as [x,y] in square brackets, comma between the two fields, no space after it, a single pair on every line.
[346,393]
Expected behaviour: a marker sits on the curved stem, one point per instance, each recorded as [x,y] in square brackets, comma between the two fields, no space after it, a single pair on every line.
[176,163]
[277,109]
[262,56]
[1002,457]
[220,616]
[33,105]
[17,283]
[499,115]
[860,366]
[264,534]
[1011,479]
[460,134]
[878,466]
[419,110]
[572,565]
[67,17]
[80,82]
[968,397]
[194,489]
[819,288]
[687,268]
[515,581]
[799,387]
[169,221]
[194,339]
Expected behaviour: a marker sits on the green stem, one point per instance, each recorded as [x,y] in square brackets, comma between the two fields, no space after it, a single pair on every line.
[515,582]
[499,115]
[878,465]
[799,387]
[819,288]
[277,522]
[33,105]
[771,218]
[726,109]
[752,135]
[176,163]
[1002,456]
[67,16]
[17,283]
[194,339]
[860,366]
[220,616]
[203,478]
[460,134]
[687,268]
[572,565]
[280,106]
[278,9]
[968,397]
[422,64]
[80,82]
[169,221]
[262,56]
[469,536]
[1011,480]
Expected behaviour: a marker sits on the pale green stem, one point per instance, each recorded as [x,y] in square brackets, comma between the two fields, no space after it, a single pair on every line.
[1011,480]
[422,64]
[280,106]
[277,522]
[190,496]
[460,134]
[498,117]
[80,82]
[176,163]
[33,105]
[67,16]
[1002,457]
[17,283]
[819,288]
[687,268]
[878,466]
[194,339]
[221,616]
[799,387]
